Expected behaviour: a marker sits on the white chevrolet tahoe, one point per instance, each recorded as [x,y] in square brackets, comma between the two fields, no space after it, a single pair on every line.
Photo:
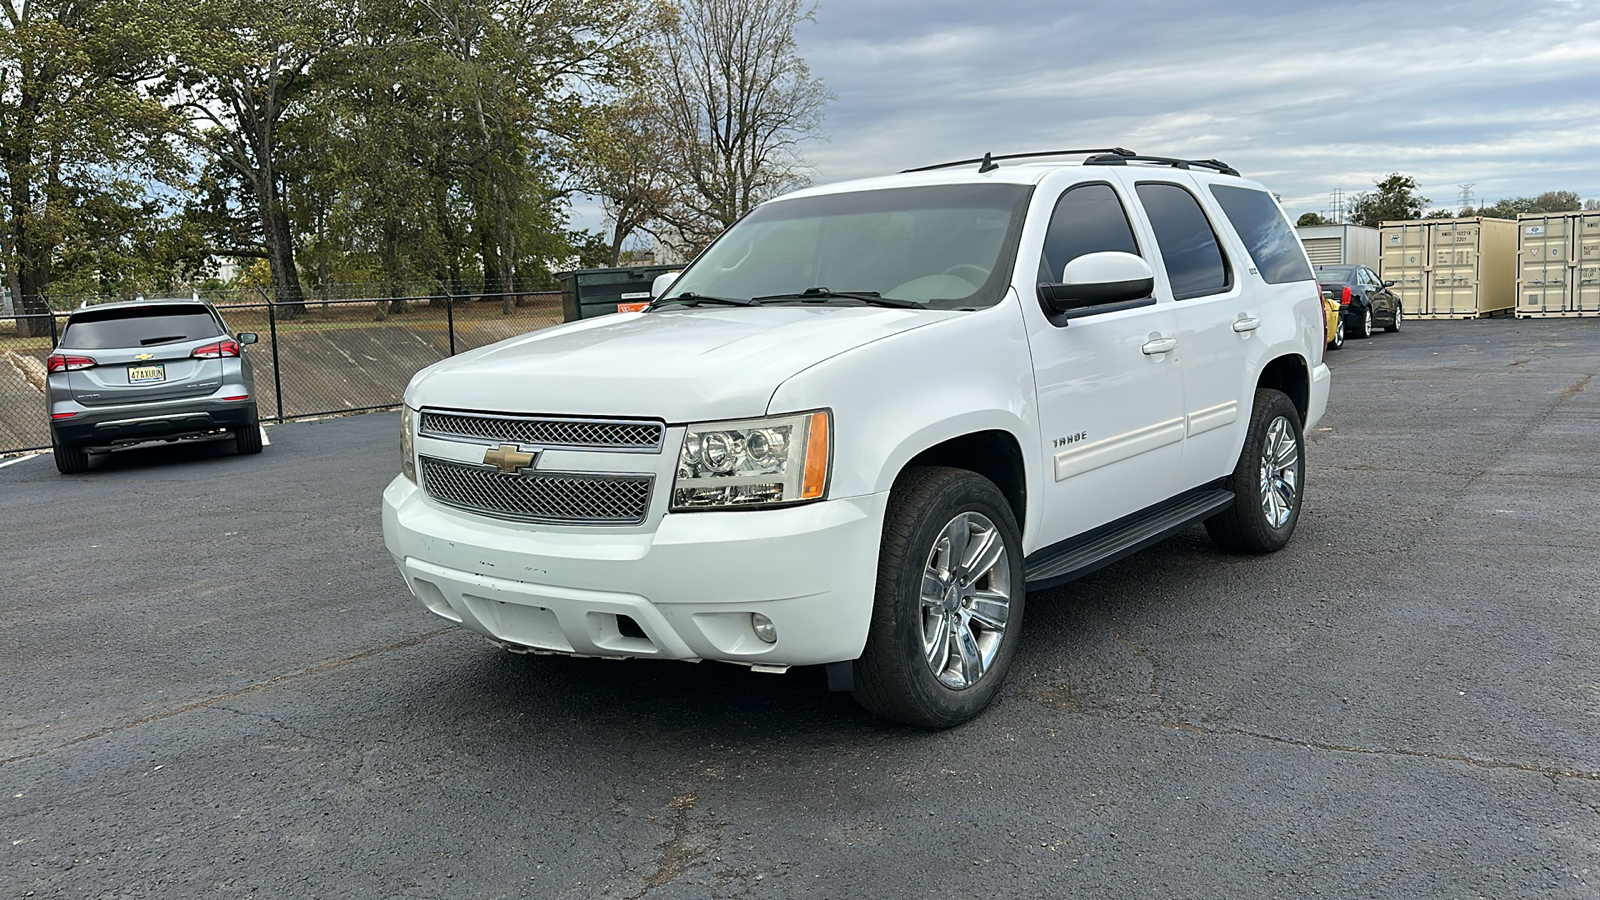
[872,416]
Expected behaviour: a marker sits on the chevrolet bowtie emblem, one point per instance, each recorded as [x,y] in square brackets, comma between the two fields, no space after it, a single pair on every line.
[145,356]
[508,459]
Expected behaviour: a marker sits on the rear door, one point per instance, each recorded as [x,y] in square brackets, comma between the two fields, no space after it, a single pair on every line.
[143,354]
[1216,319]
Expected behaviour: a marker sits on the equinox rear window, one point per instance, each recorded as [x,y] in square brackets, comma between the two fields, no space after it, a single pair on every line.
[138,326]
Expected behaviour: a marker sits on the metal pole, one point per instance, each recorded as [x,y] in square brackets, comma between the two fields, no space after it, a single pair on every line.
[277,373]
[450,319]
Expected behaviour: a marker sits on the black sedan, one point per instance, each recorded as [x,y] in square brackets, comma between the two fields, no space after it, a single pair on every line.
[1365,301]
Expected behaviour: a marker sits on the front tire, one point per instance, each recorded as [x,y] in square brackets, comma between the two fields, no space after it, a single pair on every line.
[1394,326]
[949,601]
[1268,483]
[70,458]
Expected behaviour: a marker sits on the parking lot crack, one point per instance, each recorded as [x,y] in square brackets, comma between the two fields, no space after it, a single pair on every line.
[208,702]
[1552,772]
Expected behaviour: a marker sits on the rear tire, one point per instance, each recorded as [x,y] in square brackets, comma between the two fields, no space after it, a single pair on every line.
[1338,335]
[1364,326]
[948,610]
[70,458]
[247,440]
[1268,483]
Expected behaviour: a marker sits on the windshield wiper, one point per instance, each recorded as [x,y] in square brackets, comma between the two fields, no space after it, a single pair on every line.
[820,294]
[690,298]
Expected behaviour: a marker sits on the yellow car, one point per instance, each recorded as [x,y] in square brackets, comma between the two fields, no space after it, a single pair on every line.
[1334,313]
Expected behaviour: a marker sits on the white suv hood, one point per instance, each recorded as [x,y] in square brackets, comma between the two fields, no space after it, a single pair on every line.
[680,365]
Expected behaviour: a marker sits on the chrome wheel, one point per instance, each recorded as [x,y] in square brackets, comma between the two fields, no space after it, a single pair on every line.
[1366,324]
[1280,472]
[966,600]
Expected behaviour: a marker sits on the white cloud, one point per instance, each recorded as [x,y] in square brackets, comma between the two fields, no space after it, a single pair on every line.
[1307,97]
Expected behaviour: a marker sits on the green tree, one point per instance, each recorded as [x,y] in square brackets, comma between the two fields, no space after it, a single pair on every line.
[527,72]
[1312,218]
[243,69]
[81,140]
[1396,199]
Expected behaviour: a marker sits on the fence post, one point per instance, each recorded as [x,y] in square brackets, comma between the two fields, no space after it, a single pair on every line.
[450,318]
[277,373]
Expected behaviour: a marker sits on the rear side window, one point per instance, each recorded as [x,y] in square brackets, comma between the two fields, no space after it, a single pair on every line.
[1189,248]
[1265,232]
[138,326]
[1087,219]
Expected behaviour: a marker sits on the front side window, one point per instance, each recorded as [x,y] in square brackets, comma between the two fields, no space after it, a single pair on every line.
[940,246]
[1087,219]
[1273,245]
[1189,248]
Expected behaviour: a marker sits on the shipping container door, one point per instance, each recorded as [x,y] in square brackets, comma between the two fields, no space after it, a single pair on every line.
[1455,268]
[1404,260]
[1584,290]
[1542,264]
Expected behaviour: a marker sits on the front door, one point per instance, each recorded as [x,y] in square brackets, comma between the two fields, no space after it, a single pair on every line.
[1110,387]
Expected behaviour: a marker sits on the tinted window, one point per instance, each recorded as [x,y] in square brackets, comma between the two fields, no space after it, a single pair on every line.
[1336,274]
[139,326]
[1265,232]
[1188,245]
[1087,219]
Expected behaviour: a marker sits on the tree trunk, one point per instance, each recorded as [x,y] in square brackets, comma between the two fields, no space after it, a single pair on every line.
[279,239]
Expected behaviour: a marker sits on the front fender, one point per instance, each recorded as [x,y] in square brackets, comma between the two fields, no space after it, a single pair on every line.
[895,397]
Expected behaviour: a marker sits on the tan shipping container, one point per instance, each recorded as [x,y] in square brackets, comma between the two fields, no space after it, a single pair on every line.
[1558,264]
[1452,268]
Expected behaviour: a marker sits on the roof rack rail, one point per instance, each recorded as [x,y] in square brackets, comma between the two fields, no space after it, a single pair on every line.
[1122,159]
[987,161]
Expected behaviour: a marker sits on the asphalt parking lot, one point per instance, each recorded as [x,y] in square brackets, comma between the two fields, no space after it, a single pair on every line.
[216,685]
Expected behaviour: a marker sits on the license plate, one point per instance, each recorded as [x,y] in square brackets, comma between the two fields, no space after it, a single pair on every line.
[146,374]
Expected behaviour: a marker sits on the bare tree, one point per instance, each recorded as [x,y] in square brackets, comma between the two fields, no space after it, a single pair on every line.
[738,101]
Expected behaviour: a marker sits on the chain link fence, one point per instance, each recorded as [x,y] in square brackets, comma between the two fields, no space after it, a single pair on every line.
[314,358]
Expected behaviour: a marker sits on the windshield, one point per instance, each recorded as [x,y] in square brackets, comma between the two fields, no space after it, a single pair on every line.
[1335,274]
[945,246]
[139,326]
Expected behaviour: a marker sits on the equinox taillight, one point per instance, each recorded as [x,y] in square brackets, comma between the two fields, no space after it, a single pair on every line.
[218,350]
[60,362]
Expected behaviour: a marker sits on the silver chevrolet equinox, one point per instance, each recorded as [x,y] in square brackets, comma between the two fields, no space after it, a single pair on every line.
[147,370]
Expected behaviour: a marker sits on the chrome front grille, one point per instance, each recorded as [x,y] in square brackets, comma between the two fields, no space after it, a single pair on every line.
[562,498]
[539,431]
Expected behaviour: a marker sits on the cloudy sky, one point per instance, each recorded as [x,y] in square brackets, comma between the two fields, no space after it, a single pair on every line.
[1306,97]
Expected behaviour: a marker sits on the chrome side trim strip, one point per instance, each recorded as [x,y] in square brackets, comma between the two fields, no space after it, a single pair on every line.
[1215,417]
[1089,457]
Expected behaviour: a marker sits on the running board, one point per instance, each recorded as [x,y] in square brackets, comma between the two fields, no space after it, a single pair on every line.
[1100,547]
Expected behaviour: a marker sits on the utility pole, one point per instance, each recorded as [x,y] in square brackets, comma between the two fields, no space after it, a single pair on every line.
[1336,207]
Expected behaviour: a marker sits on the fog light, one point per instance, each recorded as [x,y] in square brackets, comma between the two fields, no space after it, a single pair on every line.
[764,628]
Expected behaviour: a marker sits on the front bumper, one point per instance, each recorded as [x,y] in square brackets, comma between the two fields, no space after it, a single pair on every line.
[690,586]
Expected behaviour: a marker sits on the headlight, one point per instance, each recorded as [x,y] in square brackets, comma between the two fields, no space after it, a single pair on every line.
[408,444]
[754,462]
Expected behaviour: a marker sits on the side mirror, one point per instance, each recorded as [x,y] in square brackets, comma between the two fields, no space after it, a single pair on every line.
[248,337]
[658,288]
[1096,279]
[1388,284]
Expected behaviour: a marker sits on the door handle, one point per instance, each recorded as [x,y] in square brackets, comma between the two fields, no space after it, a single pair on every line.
[1246,325]
[1159,345]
